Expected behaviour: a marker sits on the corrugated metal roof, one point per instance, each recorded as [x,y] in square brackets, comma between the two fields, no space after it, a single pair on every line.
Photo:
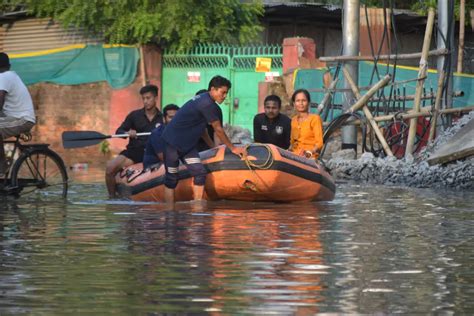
[308,12]
[329,7]
[270,4]
[12,15]
[40,34]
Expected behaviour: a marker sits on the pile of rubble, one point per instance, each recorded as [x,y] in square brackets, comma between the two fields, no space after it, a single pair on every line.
[237,134]
[414,172]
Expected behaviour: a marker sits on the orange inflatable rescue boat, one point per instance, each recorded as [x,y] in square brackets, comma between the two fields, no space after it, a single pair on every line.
[269,173]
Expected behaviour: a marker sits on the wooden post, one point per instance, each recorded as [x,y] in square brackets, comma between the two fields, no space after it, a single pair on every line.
[365,98]
[327,96]
[142,66]
[368,114]
[457,110]
[462,14]
[419,84]
[439,93]
[423,97]
[436,52]
[424,112]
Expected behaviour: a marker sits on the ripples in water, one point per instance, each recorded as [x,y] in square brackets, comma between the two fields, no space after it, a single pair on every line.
[372,250]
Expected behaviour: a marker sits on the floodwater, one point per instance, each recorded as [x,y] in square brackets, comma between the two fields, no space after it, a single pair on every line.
[374,249]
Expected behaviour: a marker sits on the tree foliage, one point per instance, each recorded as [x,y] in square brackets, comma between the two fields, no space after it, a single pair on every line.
[178,24]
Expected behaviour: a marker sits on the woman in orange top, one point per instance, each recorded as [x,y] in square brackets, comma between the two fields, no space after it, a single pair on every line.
[306,129]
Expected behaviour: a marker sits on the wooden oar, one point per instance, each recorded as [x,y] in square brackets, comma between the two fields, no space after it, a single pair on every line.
[77,139]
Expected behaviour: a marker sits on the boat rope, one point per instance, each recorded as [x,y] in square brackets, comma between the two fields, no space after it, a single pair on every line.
[267,164]
[253,165]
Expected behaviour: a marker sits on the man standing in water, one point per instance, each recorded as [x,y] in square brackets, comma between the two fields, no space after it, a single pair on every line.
[143,120]
[183,132]
[202,145]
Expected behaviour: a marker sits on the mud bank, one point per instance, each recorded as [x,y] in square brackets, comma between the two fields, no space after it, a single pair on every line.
[415,172]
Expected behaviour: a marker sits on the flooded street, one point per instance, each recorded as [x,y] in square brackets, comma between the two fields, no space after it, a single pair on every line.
[374,249]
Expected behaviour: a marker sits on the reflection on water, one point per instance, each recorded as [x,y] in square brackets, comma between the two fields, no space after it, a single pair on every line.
[372,250]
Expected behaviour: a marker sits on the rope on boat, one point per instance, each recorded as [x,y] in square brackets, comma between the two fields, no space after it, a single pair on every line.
[253,165]
[267,164]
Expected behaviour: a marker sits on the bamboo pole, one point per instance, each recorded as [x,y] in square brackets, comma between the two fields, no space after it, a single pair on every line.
[362,101]
[327,96]
[437,104]
[435,52]
[410,97]
[462,13]
[368,114]
[456,110]
[142,66]
[394,83]
[420,83]
[424,112]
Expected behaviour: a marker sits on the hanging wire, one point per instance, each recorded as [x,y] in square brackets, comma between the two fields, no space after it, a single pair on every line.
[395,35]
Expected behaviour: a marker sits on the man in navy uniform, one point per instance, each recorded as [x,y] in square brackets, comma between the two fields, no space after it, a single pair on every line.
[272,127]
[183,132]
[202,145]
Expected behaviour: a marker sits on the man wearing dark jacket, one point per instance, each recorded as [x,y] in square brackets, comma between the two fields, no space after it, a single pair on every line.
[139,121]
[272,127]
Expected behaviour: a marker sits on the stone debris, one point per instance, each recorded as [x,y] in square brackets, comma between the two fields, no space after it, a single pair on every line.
[237,134]
[415,172]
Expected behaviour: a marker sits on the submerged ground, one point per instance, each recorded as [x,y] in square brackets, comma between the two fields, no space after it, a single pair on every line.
[374,249]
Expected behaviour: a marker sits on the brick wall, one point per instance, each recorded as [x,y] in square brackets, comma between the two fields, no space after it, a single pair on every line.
[94,107]
[79,107]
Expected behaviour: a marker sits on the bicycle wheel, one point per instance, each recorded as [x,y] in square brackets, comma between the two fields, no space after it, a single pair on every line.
[42,171]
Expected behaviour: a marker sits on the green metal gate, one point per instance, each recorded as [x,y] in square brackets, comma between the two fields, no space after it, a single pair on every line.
[185,74]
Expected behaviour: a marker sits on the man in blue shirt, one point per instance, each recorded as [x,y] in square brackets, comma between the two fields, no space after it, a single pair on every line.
[183,132]
[155,145]
[202,145]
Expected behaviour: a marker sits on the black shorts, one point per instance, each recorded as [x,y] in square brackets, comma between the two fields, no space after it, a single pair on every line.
[136,155]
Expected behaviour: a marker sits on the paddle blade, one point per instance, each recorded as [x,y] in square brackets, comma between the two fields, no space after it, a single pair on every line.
[77,139]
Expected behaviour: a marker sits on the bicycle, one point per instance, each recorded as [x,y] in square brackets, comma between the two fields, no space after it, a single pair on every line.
[33,167]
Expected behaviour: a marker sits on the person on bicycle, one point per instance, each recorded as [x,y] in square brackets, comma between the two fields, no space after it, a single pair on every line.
[143,120]
[17,114]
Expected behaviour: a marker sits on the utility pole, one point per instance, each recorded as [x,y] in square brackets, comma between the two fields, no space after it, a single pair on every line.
[446,40]
[350,35]
[462,13]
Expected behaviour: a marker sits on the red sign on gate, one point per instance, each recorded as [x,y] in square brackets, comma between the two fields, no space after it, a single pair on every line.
[194,76]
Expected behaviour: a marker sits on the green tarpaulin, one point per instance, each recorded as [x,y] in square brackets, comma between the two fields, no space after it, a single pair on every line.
[93,63]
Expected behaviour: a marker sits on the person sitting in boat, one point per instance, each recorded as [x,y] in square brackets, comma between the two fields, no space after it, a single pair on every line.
[272,127]
[306,128]
[183,132]
[155,145]
[138,121]
[202,145]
